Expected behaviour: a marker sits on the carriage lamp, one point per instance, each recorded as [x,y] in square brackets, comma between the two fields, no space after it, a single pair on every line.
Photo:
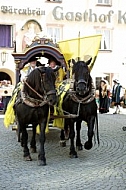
[4,57]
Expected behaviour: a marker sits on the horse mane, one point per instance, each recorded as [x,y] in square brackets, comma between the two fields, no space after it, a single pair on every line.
[34,81]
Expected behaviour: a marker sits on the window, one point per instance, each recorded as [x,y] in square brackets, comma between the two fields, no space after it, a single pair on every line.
[54,33]
[106,39]
[104,2]
[6,33]
[55,1]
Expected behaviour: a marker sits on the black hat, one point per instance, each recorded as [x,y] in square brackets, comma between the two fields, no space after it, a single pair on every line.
[52,59]
[103,80]
[33,59]
[116,81]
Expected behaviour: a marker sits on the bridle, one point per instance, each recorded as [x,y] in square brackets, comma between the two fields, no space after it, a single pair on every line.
[40,96]
[79,82]
[43,99]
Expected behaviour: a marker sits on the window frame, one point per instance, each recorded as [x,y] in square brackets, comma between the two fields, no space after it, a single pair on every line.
[54,27]
[104,40]
[54,1]
[11,35]
[103,3]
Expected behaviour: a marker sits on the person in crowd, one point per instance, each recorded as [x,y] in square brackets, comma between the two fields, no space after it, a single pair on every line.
[6,85]
[116,95]
[103,97]
[60,74]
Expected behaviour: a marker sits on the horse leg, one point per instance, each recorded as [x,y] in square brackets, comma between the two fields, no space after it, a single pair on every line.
[73,153]
[88,144]
[62,138]
[64,135]
[27,156]
[79,145]
[33,140]
[66,131]
[42,138]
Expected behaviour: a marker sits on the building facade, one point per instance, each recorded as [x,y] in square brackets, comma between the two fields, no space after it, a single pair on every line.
[59,20]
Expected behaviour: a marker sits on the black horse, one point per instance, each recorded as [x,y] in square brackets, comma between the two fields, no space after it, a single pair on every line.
[81,105]
[33,108]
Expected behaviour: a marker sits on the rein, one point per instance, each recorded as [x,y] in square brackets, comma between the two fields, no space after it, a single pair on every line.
[34,90]
[32,102]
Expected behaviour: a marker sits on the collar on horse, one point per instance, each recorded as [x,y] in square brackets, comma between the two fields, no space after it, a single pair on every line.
[89,98]
[32,102]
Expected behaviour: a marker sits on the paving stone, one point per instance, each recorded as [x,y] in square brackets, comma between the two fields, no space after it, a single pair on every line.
[102,167]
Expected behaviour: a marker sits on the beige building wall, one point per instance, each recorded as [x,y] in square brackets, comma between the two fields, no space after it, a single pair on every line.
[91,17]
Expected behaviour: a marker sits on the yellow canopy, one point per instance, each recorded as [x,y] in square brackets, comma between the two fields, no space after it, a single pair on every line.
[81,47]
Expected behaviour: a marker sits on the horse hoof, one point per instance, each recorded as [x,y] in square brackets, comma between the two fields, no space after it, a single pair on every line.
[41,163]
[63,143]
[88,145]
[124,128]
[33,150]
[28,158]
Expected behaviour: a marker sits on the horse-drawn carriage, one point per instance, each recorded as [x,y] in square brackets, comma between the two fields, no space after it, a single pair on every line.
[78,103]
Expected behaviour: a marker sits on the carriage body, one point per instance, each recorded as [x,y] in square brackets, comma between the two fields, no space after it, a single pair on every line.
[40,47]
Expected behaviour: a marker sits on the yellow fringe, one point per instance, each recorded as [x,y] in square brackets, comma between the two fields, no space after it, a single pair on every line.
[63,88]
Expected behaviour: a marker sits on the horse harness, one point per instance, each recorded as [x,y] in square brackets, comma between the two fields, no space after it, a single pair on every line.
[72,94]
[32,102]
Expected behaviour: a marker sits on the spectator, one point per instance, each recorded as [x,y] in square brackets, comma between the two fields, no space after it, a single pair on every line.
[116,91]
[103,97]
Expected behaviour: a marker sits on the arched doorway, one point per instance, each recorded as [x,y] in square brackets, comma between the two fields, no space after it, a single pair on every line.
[4,76]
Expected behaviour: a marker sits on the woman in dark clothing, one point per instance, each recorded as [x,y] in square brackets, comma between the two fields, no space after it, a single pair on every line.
[103,97]
[116,95]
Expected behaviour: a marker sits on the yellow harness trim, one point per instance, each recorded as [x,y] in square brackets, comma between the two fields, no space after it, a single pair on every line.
[62,89]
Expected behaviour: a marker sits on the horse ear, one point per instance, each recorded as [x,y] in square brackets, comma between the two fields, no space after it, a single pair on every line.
[89,61]
[71,61]
[41,69]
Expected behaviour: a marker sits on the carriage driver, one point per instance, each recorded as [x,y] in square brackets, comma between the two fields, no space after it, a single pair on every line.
[60,74]
[28,68]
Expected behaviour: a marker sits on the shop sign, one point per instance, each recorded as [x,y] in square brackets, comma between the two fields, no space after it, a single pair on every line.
[87,15]
[25,11]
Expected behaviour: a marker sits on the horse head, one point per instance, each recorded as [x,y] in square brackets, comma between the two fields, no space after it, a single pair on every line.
[40,85]
[48,83]
[82,76]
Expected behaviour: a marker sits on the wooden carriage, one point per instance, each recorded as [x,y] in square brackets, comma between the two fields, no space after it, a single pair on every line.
[41,47]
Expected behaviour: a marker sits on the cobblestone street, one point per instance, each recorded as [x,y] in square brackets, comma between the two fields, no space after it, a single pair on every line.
[101,168]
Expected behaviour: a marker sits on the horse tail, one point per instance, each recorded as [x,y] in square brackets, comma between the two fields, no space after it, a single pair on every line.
[96,129]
